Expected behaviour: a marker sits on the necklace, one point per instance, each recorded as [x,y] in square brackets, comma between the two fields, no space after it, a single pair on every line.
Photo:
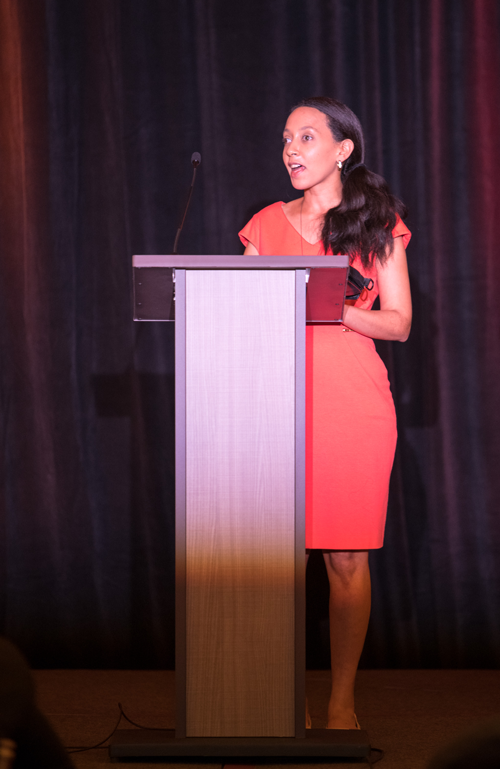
[308,271]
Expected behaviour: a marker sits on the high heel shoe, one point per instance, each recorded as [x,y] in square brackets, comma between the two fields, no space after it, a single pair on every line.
[356,725]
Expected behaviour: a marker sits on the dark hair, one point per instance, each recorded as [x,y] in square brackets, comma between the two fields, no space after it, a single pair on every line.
[361,225]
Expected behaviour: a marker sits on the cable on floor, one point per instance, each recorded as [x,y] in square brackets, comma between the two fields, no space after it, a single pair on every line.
[101,744]
[373,759]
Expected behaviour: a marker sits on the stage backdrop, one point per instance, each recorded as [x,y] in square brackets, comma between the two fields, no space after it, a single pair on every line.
[103,102]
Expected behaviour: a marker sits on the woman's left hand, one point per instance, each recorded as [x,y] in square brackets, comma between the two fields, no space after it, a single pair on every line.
[393,320]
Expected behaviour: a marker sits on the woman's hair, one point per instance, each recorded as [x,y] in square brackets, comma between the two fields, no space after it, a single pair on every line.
[363,221]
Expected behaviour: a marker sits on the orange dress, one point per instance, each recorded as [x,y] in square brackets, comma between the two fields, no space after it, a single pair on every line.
[350,417]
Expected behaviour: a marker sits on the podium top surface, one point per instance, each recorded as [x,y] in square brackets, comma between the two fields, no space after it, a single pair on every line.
[210,262]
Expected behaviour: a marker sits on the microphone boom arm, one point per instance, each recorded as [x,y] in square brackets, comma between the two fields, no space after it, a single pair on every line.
[195,161]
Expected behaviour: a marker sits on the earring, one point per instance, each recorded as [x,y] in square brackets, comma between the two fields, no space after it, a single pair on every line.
[339,163]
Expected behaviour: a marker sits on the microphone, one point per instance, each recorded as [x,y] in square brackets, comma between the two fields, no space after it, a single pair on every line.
[195,162]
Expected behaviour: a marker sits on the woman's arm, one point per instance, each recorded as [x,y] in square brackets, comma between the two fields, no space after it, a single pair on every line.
[393,320]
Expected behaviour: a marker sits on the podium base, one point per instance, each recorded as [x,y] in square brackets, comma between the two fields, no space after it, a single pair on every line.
[326,743]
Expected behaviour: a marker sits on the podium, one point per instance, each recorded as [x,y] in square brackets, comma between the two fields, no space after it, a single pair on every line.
[240,505]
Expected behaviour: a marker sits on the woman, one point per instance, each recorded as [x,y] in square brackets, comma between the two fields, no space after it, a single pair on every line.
[350,418]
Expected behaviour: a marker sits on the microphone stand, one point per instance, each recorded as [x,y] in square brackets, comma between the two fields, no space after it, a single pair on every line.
[195,162]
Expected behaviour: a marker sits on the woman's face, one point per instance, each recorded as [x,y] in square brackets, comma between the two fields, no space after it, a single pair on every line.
[310,151]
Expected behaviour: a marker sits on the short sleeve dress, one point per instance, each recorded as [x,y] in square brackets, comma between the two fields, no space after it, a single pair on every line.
[350,417]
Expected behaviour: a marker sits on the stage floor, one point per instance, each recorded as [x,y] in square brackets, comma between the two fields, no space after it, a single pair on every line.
[407,713]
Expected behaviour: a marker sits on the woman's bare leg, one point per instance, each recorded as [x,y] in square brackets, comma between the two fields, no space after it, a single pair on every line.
[308,716]
[350,602]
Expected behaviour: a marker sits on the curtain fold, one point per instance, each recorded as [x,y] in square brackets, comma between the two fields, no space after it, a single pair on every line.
[103,103]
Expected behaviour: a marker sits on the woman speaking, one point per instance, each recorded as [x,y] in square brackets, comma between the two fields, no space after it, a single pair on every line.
[350,417]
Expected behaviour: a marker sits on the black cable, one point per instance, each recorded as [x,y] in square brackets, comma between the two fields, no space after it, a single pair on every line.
[81,749]
[374,759]
[148,728]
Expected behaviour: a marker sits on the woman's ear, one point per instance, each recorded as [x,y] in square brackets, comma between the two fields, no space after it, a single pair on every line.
[346,148]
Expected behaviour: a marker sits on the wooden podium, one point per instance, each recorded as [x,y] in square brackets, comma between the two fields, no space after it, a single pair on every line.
[240,505]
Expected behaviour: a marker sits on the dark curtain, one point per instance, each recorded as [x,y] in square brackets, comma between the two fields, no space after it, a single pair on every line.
[103,102]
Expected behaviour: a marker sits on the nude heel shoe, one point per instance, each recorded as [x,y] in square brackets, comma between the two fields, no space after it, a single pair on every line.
[356,725]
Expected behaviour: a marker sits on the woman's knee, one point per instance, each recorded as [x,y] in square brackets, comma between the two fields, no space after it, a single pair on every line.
[346,565]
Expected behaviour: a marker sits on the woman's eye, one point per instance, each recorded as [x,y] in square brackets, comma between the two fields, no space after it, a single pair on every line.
[307,137]
[285,140]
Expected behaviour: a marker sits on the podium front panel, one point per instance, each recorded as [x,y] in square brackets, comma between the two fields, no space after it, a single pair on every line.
[240,502]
